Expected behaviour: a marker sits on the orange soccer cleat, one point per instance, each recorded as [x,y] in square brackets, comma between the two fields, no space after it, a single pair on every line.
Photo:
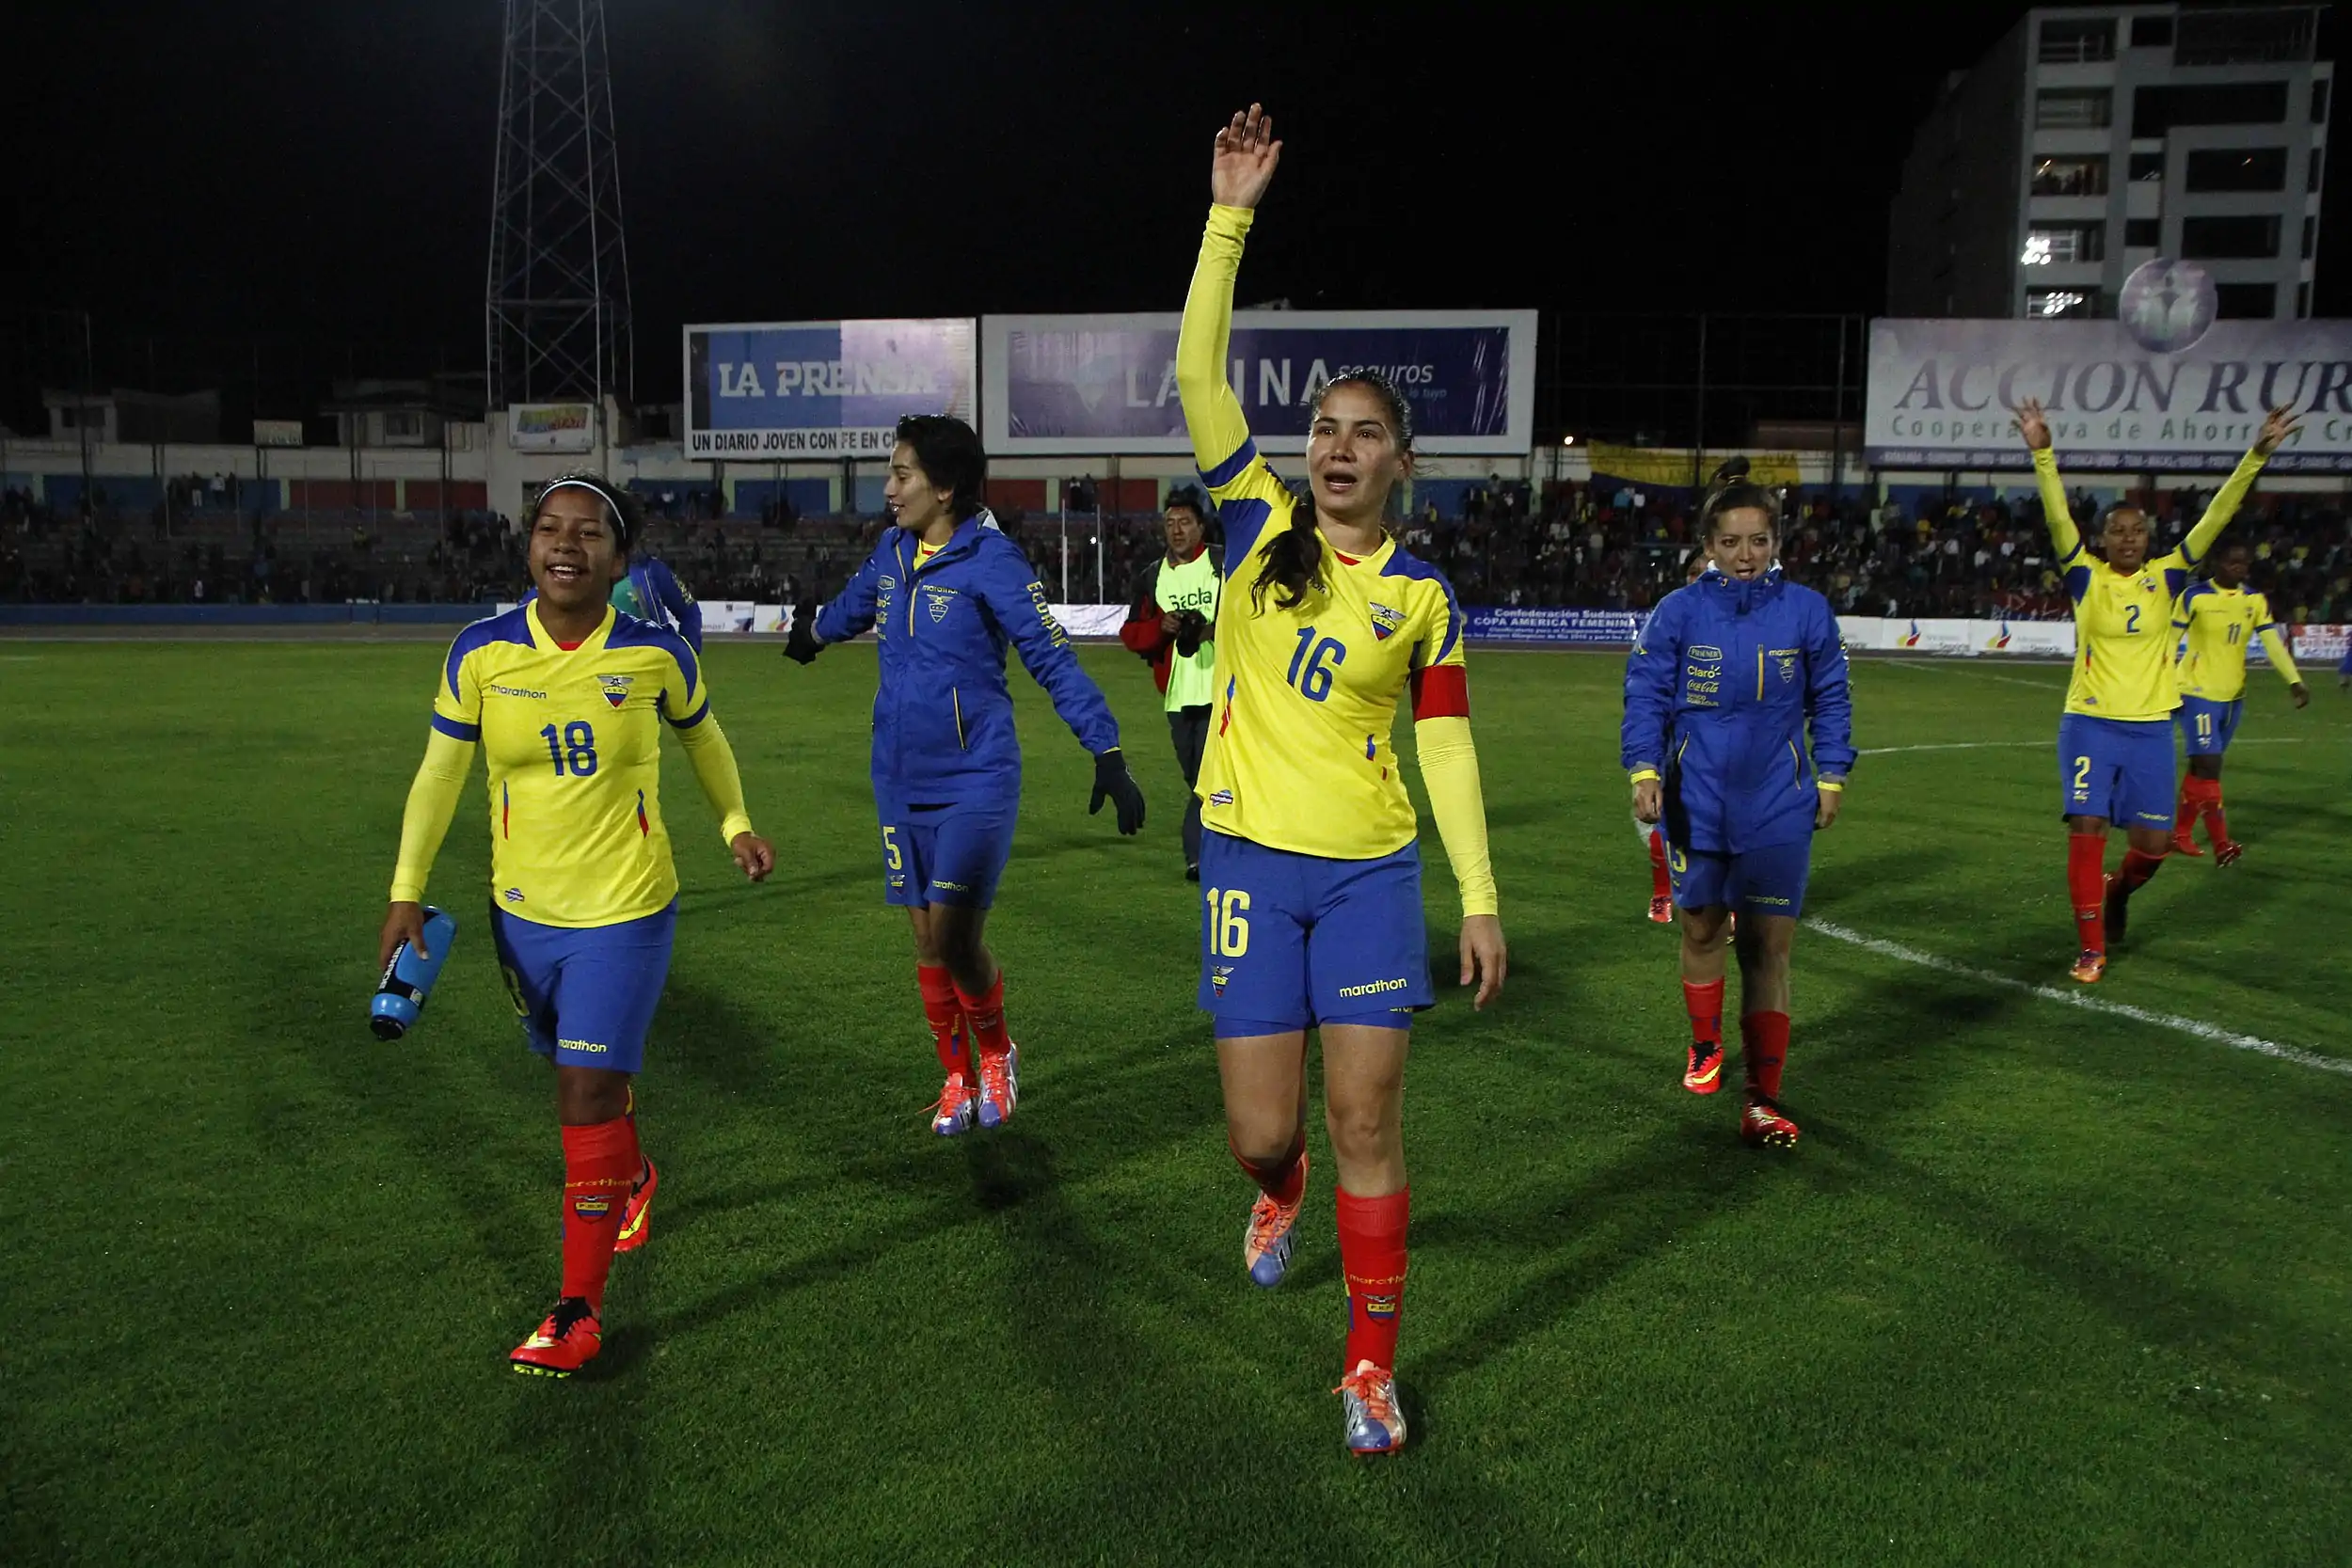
[567,1340]
[634,1228]
[1661,911]
[2090,964]
[2226,853]
[2184,845]
[1705,1074]
[1762,1126]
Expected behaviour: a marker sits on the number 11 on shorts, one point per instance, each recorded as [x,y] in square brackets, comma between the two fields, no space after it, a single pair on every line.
[1229,933]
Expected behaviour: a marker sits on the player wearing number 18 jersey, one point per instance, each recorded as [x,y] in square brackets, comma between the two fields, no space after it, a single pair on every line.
[1311,876]
[568,697]
[2115,743]
[2219,621]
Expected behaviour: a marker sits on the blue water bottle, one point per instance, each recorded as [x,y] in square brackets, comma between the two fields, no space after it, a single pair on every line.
[400,995]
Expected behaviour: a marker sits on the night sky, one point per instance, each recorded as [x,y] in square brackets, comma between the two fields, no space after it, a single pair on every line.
[204,177]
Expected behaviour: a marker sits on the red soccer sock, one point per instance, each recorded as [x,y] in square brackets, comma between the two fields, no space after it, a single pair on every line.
[1704,1004]
[1660,886]
[2087,889]
[2209,805]
[943,1011]
[2138,868]
[1764,1044]
[1282,1179]
[1371,1257]
[986,1015]
[2184,814]
[600,1164]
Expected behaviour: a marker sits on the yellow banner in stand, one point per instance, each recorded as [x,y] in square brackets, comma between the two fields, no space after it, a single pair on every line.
[1665,466]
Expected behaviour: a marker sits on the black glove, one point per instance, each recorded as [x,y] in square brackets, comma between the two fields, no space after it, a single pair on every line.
[1190,626]
[800,644]
[1112,782]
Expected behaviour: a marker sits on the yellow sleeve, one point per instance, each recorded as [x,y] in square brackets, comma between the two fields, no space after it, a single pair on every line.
[2222,507]
[2055,510]
[2274,645]
[1213,415]
[707,748]
[1448,770]
[432,801]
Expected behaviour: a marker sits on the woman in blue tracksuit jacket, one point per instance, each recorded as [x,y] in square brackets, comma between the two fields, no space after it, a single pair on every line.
[943,592]
[1719,690]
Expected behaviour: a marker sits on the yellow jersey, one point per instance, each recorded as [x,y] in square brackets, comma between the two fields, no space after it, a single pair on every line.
[2124,635]
[2218,625]
[1300,754]
[572,736]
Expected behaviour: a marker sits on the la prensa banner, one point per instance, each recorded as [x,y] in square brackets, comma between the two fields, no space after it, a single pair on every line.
[1081,385]
[2117,397]
[765,390]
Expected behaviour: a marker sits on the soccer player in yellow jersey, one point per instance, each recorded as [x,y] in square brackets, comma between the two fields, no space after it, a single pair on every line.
[567,696]
[1309,872]
[2219,620]
[2115,743]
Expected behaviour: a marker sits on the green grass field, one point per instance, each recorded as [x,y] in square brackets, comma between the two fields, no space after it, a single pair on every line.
[2044,1284]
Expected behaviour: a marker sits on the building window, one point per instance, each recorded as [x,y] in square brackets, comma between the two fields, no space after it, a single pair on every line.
[2143,233]
[400,423]
[2152,32]
[2077,40]
[2057,243]
[2157,110]
[2050,304]
[2303,301]
[2245,301]
[2147,166]
[2319,101]
[2251,37]
[2310,237]
[2311,182]
[2236,169]
[2226,239]
[2070,177]
[2073,108]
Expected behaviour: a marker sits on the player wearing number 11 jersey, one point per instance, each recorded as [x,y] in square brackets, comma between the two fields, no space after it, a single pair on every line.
[2219,621]
[1310,873]
[2115,743]
[567,698]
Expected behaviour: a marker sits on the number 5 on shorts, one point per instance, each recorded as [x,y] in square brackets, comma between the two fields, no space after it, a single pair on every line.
[890,848]
[1229,933]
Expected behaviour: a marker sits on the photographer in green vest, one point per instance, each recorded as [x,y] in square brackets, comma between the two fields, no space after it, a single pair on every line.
[1171,622]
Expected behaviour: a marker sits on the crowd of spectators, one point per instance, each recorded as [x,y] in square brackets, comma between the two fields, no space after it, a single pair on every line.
[1600,546]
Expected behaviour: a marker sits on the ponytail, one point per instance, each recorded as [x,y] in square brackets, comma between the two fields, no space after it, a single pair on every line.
[1731,490]
[1291,565]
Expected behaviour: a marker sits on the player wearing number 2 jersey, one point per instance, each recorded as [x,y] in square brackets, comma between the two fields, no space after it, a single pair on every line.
[2115,743]
[567,698]
[1310,877]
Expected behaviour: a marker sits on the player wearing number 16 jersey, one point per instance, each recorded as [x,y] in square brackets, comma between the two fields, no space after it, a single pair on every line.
[1310,873]
[567,697]
[2219,621]
[2115,743]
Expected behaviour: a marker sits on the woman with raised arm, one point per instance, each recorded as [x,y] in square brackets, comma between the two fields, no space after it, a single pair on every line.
[2115,742]
[1721,691]
[1309,868]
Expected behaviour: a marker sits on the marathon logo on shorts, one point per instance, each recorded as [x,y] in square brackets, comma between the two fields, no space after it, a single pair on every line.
[1218,975]
[587,1047]
[616,688]
[1385,623]
[1222,798]
[1372,988]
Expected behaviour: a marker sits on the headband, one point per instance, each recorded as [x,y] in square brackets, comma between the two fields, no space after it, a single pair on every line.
[603,493]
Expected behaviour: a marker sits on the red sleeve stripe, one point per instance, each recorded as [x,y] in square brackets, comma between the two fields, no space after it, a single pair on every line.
[1441,692]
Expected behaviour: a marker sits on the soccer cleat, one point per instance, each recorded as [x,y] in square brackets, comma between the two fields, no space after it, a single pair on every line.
[566,1341]
[2089,965]
[1375,1423]
[2118,913]
[1705,1074]
[633,1226]
[2226,853]
[2184,845]
[957,1102]
[1266,1243]
[1661,911]
[1762,1126]
[1000,1084]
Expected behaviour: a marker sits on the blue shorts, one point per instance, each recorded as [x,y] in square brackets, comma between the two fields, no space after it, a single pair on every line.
[586,994]
[948,855]
[1289,939]
[2119,768]
[1770,880]
[2207,725]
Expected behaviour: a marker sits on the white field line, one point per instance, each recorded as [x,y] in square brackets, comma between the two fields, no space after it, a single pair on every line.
[1980,673]
[1987,745]
[2086,1000]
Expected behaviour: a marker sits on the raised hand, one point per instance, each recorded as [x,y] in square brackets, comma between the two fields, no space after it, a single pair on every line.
[2280,424]
[1245,155]
[2031,424]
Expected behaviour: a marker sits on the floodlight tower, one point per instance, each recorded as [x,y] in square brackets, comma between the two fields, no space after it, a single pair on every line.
[557,310]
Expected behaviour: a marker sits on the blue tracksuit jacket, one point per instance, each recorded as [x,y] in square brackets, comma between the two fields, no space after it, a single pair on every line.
[943,720]
[1718,690]
[664,601]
